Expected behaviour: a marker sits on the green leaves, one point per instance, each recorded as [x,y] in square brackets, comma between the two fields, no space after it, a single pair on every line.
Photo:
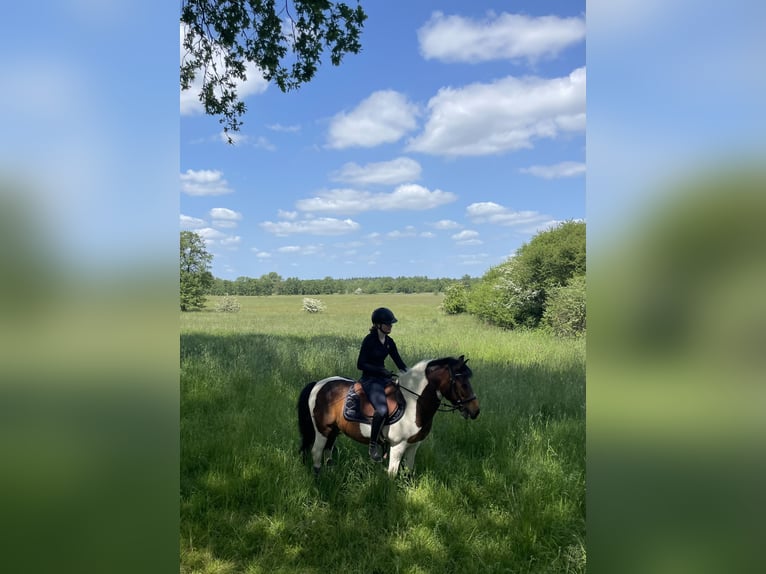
[195,277]
[284,42]
[516,293]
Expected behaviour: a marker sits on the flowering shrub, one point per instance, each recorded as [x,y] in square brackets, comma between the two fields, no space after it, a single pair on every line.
[313,305]
[228,304]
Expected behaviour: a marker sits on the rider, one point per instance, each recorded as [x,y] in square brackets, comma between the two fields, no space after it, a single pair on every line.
[376,346]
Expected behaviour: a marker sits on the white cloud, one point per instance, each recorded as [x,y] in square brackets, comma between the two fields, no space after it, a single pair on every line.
[189,223]
[559,170]
[190,104]
[399,170]
[214,238]
[235,137]
[446,224]
[348,201]
[493,213]
[204,182]
[291,215]
[384,117]
[223,217]
[467,237]
[319,226]
[224,213]
[502,37]
[467,234]
[286,129]
[408,231]
[506,115]
[302,249]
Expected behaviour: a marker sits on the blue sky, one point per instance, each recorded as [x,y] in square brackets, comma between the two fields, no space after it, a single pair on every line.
[455,136]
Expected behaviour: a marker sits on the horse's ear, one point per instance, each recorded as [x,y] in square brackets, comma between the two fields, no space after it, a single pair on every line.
[461,360]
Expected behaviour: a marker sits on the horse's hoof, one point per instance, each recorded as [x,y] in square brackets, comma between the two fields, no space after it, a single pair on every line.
[316,470]
[375,453]
[330,462]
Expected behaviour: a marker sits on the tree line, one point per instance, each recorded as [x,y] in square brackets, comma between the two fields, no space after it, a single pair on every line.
[541,286]
[273,284]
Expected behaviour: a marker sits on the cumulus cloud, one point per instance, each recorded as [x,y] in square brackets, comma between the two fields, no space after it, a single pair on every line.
[446,224]
[399,170]
[319,226]
[498,37]
[313,249]
[505,115]
[559,170]
[217,239]
[189,223]
[223,217]
[349,201]
[384,117]
[190,104]
[204,182]
[408,231]
[467,234]
[467,237]
[282,214]
[496,214]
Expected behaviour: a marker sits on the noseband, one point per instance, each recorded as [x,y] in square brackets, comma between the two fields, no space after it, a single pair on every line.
[456,404]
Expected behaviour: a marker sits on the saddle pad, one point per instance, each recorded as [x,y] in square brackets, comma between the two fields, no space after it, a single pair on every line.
[358,409]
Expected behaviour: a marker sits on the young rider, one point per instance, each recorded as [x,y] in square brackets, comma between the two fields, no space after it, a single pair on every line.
[376,346]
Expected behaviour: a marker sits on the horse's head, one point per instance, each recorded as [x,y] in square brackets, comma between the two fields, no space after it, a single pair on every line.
[452,377]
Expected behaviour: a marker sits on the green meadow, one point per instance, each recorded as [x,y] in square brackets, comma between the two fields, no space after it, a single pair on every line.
[502,493]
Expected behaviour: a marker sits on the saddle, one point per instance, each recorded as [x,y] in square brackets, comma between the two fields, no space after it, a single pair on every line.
[359,409]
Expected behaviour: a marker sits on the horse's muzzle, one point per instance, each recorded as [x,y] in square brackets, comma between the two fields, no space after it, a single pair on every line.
[467,411]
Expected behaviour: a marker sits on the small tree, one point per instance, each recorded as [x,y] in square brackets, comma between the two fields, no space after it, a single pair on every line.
[195,276]
[455,299]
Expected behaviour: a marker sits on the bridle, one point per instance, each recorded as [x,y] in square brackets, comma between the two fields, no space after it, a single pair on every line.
[456,404]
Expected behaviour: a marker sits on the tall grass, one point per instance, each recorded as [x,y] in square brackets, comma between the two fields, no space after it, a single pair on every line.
[503,493]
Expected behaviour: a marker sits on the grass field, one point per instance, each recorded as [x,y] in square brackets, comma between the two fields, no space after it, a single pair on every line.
[502,493]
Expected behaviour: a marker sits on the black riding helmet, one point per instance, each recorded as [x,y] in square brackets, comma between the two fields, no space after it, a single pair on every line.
[383,315]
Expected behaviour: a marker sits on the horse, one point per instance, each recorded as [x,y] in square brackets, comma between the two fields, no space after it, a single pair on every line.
[321,411]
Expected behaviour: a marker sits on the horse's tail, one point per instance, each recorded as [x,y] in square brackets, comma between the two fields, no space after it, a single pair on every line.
[305,424]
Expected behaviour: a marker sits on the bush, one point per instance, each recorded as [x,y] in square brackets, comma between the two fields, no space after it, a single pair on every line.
[565,308]
[500,300]
[455,299]
[313,305]
[228,305]
[515,293]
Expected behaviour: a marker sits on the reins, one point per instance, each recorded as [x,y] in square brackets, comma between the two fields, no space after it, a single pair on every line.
[442,408]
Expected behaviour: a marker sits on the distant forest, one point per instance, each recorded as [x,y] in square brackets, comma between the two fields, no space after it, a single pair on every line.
[273,284]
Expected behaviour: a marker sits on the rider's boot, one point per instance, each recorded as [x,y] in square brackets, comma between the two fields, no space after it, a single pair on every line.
[376,451]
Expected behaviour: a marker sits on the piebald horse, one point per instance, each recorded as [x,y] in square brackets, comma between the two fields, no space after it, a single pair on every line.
[321,405]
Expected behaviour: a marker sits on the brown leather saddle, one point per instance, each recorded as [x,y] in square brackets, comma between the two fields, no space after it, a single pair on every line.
[358,407]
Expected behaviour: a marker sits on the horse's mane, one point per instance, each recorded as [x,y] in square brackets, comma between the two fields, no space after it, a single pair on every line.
[449,362]
[416,376]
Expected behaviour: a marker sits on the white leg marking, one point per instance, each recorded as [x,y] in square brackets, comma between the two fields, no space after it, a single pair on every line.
[317,450]
[395,456]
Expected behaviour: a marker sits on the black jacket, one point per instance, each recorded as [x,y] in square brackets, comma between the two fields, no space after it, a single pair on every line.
[372,356]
